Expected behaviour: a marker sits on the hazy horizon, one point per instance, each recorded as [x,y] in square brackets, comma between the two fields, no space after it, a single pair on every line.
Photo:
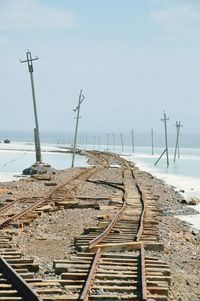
[133,60]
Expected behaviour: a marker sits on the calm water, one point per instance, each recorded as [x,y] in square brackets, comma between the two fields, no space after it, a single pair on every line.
[15,160]
[183,174]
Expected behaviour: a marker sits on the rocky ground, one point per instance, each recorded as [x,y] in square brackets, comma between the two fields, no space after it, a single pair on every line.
[52,235]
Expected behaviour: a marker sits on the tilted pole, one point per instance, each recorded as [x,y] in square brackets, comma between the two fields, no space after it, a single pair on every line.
[29,61]
[152,143]
[113,142]
[178,125]
[133,142]
[160,157]
[166,143]
[99,142]
[80,100]
[108,140]
[122,142]
[86,142]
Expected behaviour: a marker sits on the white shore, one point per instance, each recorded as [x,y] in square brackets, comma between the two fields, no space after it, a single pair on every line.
[190,186]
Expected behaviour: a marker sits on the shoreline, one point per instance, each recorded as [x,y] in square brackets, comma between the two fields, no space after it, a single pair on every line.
[182,185]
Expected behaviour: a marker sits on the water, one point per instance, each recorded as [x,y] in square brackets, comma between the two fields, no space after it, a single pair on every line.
[15,157]
[184,174]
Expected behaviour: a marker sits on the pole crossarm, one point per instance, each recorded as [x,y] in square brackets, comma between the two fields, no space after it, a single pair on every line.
[29,60]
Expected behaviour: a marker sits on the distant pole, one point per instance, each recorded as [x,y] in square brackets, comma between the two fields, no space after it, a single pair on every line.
[99,142]
[121,137]
[86,142]
[113,135]
[152,143]
[178,125]
[166,143]
[77,109]
[94,142]
[108,140]
[133,142]
[29,61]
[79,141]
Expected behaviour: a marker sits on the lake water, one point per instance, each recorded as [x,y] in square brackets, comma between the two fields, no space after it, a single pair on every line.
[184,174]
[15,157]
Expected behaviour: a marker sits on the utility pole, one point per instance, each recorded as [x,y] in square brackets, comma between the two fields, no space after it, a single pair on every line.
[29,60]
[166,144]
[178,125]
[86,142]
[94,142]
[122,142]
[80,141]
[83,142]
[133,142]
[77,109]
[152,144]
[108,139]
[99,142]
[113,141]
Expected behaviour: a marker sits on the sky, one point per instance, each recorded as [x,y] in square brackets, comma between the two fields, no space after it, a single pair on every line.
[133,59]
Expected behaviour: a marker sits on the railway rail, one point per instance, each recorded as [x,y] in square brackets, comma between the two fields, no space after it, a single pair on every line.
[111,263]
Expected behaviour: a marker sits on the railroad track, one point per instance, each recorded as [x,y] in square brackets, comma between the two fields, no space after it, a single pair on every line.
[23,211]
[136,220]
[111,263]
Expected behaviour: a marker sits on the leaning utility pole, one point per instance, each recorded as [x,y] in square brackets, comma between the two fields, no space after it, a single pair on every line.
[99,142]
[113,141]
[152,144]
[178,125]
[29,61]
[108,138]
[133,142]
[80,100]
[86,142]
[166,144]
[122,142]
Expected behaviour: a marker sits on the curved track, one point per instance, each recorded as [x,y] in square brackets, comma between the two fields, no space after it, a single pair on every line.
[112,264]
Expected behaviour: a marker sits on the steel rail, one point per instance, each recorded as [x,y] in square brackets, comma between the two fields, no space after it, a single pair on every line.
[90,278]
[143,274]
[7,206]
[141,220]
[45,198]
[18,283]
[99,238]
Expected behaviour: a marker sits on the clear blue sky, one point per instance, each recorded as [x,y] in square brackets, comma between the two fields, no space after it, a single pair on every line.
[132,58]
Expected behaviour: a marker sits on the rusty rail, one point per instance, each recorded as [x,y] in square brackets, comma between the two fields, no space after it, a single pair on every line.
[44,199]
[17,282]
[90,278]
[99,238]
[143,274]
[141,221]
